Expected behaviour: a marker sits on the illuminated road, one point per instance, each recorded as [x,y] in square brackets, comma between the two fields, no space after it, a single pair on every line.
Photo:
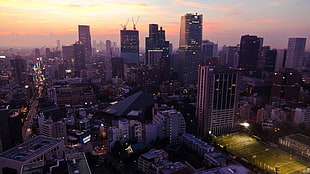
[26,131]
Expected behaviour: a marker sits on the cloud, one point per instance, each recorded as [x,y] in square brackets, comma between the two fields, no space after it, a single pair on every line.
[275,3]
[84,6]
[267,20]
[10,14]
[200,5]
[74,5]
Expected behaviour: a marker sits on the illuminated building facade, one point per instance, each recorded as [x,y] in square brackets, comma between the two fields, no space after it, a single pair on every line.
[190,55]
[217,100]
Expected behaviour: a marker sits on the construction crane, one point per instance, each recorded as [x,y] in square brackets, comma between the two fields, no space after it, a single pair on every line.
[124,26]
[135,23]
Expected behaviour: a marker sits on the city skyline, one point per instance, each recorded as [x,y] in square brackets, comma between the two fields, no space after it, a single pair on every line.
[37,23]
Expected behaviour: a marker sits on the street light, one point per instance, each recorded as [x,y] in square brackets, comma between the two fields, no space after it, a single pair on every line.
[245,124]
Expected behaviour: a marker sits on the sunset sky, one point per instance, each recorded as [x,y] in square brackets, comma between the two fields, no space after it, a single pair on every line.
[37,23]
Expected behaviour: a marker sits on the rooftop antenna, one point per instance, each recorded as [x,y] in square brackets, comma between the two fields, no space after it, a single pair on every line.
[125,25]
[135,23]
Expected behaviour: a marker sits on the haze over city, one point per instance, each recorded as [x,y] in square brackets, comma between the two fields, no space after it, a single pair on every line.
[34,23]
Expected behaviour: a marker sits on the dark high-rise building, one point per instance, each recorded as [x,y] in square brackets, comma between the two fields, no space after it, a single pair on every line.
[58,45]
[48,53]
[217,100]
[117,67]
[232,56]
[156,41]
[85,39]
[266,61]
[286,84]
[295,53]
[280,59]
[68,52]
[249,49]
[108,49]
[209,49]
[10,128]
[18,69]
[190,55]
[130,46]
[79,56]
[37,53]
[107,62]
[157,51]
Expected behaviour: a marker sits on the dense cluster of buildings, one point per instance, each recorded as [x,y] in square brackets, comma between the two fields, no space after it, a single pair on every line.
[88,97]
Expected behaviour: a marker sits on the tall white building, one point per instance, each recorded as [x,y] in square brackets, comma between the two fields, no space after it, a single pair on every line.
[171,123]
[217,100]
[295,53]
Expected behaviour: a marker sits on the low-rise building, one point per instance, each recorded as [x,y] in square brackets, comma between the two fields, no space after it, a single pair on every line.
[153,156]
[296,143]
[56,130]
[229,169]
[35,150]
[168,167]
[196,144]
[215,159]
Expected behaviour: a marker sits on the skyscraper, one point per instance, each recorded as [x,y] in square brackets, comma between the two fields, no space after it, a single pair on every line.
[209,49]
[156,41]
[79,56]
[85,39]
[37,53]
[249,47]
[190,55]
[156,47]
[108,49]
[266,61]
[58,45]
[10,128]
[108,61]
[286,84]
[295,53]
[130,46]
[18,68]
[217,100]
[280,59]
[232,56]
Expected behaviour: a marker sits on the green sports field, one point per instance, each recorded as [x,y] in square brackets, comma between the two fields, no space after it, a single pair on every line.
[262,155]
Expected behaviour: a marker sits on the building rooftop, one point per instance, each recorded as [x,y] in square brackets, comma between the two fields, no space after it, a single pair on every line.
[300,138]
[77,163]
[176,167]
[29,149]
[153,153]
[135,102]
[229,169]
